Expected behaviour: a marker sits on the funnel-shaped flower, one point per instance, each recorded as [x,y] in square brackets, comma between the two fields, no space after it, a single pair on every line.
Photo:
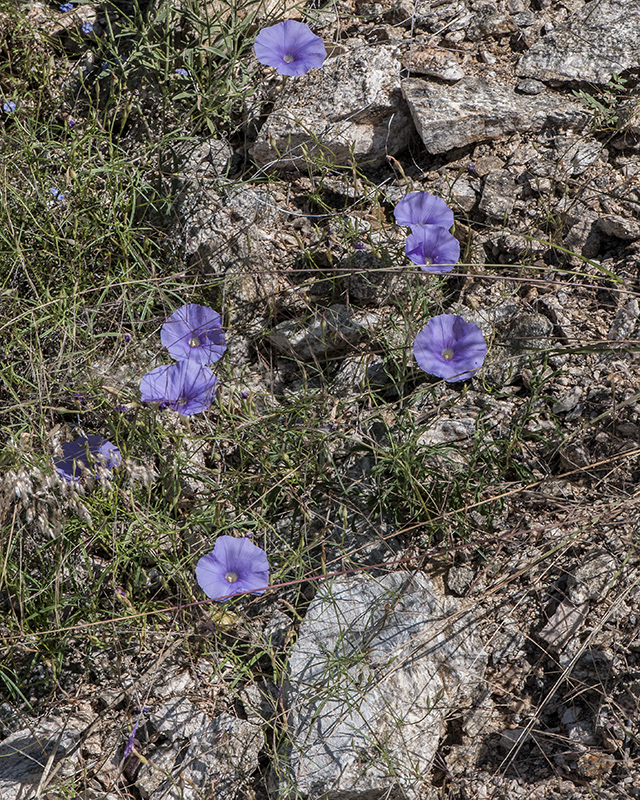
[86,451]
[433,248]
[234,566]
[290,47]
[194,333]
[422,208]
[187,387]
[450,348]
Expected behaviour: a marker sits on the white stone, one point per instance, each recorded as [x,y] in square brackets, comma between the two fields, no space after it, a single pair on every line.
[378,665]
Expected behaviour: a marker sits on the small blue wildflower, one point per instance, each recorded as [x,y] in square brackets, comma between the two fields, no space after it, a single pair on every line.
[57,194]
[244,394]
[234,566]
[66,7]
[127,337]
[433,248]
[290,47]
[71,122]
[87,27]
[450,348]
[187,387]
[183,72]
[358,246]
[9,107]
[194,332]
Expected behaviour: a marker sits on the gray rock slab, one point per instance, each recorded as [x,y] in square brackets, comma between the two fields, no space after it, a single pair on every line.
[498,195]
[438,62]
[620,227]
[326,333]
[351,108]
[600,39]
[473,110]
[195,753]
[378,665]
[24,756]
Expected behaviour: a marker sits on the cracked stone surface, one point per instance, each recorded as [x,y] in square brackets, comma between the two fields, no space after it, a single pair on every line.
[378,665]
[600,39]
[474,110]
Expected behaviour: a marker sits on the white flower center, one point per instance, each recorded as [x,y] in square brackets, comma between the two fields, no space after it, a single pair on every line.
[288,58]
[447,354]
[194,342]
[231,577]
[428,261]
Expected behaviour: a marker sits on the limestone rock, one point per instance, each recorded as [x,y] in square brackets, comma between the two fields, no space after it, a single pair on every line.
[474,110]
[326,333]
[351,108]
[194,752]
[436,62]
[378,665]
[25,754]
[601,39]
[619,227]
[498,195]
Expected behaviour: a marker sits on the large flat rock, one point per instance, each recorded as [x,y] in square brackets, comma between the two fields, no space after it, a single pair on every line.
[378,666]
[601,39]
[351,108]
[473,110]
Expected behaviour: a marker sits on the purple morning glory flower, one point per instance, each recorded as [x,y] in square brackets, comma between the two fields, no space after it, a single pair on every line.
[9,107]
[234,566]
[66,7]
[194,332]
[450,348]
[433,248]
[86,451]
[290,47]
[422,208]
[187,387]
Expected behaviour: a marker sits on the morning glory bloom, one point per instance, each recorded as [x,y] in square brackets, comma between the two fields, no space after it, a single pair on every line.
[66,7]
[290,47]
[433,248]
[194,332]
[422,208]
[450,348]
[234,566]
[87,27]
[9,107]
[187,387]
[86,451]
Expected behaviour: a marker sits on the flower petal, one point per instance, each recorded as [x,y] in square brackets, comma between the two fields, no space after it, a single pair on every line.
[422,208]
[194,332]
[187,387]
[232,555]
[463,340]
[433,248]
[293,41]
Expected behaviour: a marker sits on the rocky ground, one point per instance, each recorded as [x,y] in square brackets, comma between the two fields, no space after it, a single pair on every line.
[497,652]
